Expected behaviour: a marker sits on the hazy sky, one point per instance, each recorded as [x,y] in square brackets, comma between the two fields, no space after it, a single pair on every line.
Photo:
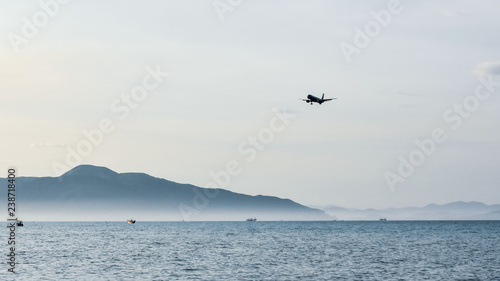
[70,67]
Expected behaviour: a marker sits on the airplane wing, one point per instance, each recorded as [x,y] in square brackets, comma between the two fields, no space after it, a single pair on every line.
[306,100]
[329,99]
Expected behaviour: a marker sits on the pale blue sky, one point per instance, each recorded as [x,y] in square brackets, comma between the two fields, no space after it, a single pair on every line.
[225,78]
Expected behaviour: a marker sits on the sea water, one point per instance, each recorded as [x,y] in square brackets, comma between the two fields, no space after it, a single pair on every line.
[336,250]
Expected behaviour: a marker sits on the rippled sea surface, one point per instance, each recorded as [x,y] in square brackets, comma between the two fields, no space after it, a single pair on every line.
[255,251]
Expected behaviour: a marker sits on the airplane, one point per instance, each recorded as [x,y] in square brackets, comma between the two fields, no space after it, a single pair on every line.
[310,99]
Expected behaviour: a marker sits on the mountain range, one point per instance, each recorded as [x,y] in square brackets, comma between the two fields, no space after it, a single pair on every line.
[451,211]
[91,193]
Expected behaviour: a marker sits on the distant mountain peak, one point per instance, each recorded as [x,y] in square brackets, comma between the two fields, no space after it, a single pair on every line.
[458,210]
[458,204]
[88,191]
[90,170]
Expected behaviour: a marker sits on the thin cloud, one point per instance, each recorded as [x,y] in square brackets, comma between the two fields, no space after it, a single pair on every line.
[407,105]
[415,94]
[48,144]
[487,68]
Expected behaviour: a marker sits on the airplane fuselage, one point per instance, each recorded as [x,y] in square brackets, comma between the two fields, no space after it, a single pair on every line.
[314,99]
[310,99]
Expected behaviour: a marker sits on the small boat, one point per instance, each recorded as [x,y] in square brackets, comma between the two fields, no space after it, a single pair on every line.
[252,219]
[19,223]
[383,219]
[131,221]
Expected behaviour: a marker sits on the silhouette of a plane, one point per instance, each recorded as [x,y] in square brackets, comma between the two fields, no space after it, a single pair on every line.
[310,99]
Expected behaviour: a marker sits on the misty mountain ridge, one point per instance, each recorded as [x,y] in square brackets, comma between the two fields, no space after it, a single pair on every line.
[94,193]
[451,211]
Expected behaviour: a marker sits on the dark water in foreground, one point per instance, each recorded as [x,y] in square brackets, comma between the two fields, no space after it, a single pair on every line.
[256,251]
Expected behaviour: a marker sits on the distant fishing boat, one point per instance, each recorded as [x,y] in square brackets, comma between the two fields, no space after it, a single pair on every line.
[131,221]
[19,223]
[383,219]
[252,219]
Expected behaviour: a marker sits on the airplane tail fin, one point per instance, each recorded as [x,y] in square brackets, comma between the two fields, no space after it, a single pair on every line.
[323,97]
